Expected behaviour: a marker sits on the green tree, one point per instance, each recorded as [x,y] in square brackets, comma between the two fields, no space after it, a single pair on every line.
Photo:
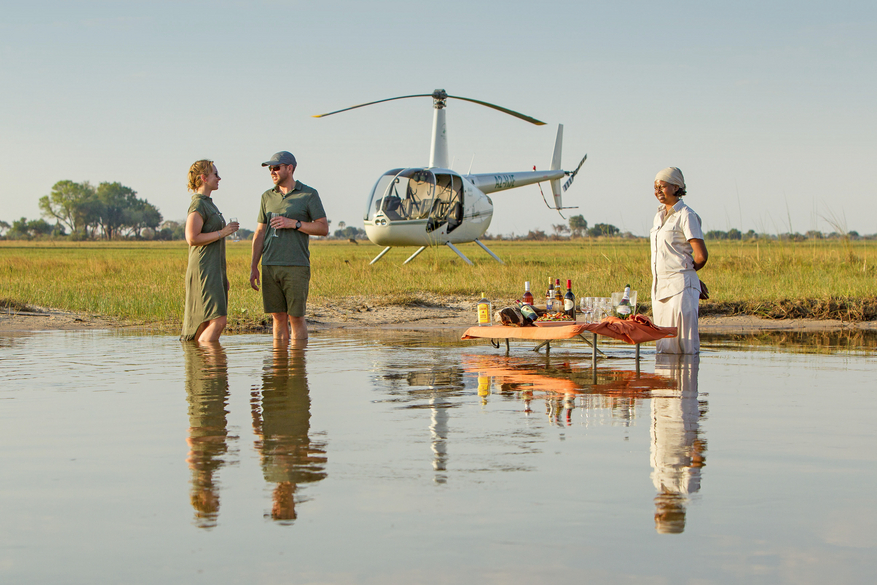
[577,225]
[603,229]
[72,204]
[114,201]
[141,215]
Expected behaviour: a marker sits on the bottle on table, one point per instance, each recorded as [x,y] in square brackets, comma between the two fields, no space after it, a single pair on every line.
[623,308]
[557,307]
[527,311]
[549,296]
[569,302]
[528,296]
[485,312]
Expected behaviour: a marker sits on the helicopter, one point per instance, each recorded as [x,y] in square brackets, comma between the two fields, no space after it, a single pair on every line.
[434,205]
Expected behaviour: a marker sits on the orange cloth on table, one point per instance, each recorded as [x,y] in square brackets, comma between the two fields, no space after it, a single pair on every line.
[638,329]
[540,333]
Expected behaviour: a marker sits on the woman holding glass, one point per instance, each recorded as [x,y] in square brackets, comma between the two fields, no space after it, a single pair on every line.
[678,251]
[206,281]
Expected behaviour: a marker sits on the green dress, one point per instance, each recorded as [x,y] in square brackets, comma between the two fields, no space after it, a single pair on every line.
[206,280]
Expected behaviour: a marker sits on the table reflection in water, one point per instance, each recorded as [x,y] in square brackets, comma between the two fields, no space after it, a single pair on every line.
[207,394]
[281,422]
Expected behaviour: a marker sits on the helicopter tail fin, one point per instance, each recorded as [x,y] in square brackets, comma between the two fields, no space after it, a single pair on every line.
[555,165]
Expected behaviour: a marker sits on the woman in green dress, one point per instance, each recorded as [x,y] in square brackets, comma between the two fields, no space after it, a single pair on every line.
[206,281]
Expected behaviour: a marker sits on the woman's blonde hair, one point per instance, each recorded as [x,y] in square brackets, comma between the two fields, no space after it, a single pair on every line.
[202,167]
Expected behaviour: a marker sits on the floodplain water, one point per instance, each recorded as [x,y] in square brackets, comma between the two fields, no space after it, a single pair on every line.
[406,457]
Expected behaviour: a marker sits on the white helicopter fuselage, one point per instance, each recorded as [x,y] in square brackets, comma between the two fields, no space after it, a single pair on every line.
[427,214]
[383,229]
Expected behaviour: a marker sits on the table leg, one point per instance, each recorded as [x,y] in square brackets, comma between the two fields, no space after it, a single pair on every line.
[637,359]
[594,351]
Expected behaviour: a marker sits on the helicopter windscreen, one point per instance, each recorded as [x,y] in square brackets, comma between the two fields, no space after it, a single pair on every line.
[402,194]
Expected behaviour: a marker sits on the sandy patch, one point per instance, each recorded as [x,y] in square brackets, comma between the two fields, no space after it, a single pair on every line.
[432,313]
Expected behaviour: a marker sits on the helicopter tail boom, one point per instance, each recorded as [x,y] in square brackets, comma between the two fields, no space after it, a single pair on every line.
[493,182]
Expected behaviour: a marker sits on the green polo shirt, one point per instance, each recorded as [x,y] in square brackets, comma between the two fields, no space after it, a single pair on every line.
[290,247]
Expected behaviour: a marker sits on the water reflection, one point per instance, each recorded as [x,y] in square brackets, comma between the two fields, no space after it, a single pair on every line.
[855,341]
[207,394]
[678,446]
[281,421]
[439,384]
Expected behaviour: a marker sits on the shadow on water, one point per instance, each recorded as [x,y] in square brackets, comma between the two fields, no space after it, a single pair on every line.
[281,415]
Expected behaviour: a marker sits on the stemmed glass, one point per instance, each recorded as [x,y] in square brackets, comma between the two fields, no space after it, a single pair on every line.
[273,229]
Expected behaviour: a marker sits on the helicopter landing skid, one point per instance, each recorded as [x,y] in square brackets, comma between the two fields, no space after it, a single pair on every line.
[381,255]
[414,255]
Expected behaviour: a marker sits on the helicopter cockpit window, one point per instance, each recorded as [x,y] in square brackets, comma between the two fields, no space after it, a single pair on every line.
[402,194]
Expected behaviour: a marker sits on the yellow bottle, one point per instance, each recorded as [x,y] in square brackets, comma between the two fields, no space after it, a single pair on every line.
[485,314]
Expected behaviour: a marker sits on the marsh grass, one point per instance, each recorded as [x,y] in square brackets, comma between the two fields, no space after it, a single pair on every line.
[143,282]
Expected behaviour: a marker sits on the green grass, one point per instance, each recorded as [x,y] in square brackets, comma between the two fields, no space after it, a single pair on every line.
[143,282]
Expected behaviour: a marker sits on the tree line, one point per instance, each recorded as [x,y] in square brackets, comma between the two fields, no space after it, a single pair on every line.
[83,211]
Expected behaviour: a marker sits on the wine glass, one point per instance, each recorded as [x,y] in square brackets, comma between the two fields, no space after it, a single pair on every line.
[273,229]
[234,237]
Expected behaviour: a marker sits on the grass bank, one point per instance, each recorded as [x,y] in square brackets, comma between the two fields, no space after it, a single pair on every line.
[143,282]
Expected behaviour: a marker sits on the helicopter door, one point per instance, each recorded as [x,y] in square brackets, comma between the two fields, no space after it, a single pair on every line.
[447,208]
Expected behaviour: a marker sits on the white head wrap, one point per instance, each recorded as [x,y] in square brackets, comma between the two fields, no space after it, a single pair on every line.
[671,175]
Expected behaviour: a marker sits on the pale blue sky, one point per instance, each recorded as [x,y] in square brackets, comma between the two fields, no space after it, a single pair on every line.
[767,107]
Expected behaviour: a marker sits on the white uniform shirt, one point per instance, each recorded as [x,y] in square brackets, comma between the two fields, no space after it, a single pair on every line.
[672,255]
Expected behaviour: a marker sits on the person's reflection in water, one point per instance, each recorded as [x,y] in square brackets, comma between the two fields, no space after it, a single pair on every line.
[678,447]
[207,394]
[281,421]
[438,428]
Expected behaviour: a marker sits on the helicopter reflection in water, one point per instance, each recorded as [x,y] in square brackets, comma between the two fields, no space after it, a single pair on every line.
[207,395]
[281,421]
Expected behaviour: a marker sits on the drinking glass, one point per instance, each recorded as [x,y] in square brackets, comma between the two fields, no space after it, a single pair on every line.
[234,237]
[588,309]
[616,299]
[632,303]
[273,229]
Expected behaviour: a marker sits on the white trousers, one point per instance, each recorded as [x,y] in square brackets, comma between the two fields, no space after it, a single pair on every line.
[679,311]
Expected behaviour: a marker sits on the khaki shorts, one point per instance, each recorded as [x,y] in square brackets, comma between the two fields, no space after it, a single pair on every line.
[285,289]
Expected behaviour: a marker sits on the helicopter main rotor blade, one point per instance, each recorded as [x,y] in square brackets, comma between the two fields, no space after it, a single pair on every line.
[501,109]
[441,95]
[402,97]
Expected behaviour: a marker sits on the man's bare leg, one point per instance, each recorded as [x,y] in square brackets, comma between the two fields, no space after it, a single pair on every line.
[299,327]
[281,326]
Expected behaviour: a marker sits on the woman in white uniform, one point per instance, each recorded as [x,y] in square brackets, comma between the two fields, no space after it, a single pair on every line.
[678,251]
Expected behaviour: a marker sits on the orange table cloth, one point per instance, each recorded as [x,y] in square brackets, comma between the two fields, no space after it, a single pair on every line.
[638,329]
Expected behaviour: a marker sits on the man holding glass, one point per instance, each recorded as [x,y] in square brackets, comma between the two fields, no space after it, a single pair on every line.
[289,214]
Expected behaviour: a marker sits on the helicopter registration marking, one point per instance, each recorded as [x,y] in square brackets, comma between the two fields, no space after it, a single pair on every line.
[504,181]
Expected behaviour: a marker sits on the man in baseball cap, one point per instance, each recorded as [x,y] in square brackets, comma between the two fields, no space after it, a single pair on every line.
[289,214]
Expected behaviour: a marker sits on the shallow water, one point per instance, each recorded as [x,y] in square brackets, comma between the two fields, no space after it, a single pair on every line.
[360,459]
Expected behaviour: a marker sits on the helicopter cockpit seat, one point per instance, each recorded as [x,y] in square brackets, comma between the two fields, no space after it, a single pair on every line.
[455,218]
[391,206]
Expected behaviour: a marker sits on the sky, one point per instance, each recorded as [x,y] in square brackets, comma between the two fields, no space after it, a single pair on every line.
[767,107]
